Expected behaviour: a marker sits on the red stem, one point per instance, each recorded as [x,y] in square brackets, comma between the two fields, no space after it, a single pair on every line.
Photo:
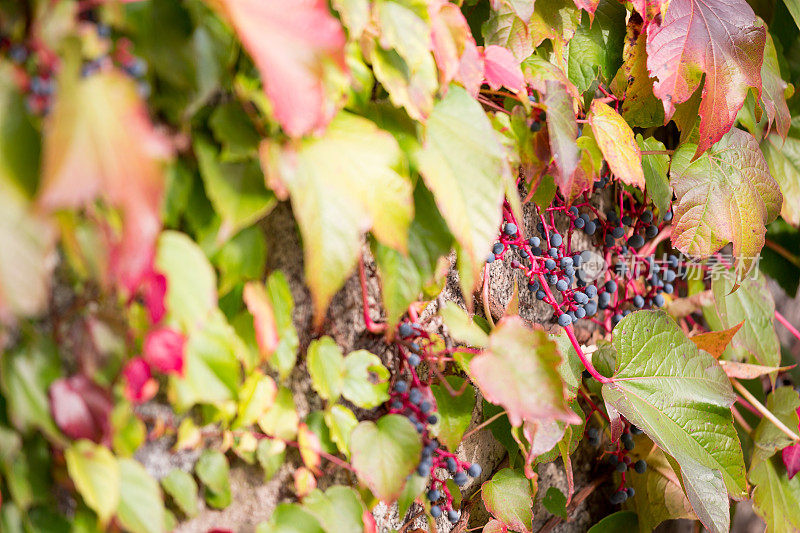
[787,325]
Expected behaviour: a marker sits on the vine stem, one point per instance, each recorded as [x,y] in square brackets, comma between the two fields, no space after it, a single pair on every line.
[738,417]
[372,327]
[485,295]
[658,152]
[764,411]
[783,252]
[482,425]
[787,325]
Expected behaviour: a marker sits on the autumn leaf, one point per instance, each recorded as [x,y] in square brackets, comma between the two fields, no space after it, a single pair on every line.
[616,141]
[298,47]
[454,47]
[517,361]
[99,144]
[783,158]
[720,39]
[773,100]
[501,69]
[715,342]
[727,195]
[563,132]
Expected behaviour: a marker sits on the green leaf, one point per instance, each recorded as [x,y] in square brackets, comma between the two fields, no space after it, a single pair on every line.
[671,396]
[505,28]
[271,455]
[338,509]
[281,420]
[341,184]
[96,475]
[326,367]
[619,521]
[242,258]
[366,380]
[725,195]
[212,469]
[596,47]
[213,371]
[290,518]
[455,412]
[794,8]
[508,496]
[756,341]
[413,488]
[384,453]
[25,376]
[233,129]
[556,20]
[775,496]
[180,485]
[340,421]
[236,190]
[655,173]
[563,134]
[461,327]
[517,361]
[783,159]
[315,420]
[20,143]
[256,396]
[141,509]
[463,163]
[783,402]
[191,283]
[555,502]
[129,431]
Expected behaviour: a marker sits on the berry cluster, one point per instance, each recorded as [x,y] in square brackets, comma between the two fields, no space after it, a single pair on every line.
[620,459]
[603,286]
[413,398]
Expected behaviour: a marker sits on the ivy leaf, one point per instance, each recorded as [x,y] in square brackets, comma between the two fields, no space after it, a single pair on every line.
[463,164]
[81,408]
[502,69]
[735,369]
[619,521]
[773,100]
[96,474]
[655,168]
[100,144]
[141,508]
[191,282]
[563,132]
[455,412]
[555,502]
[256,396]
[616,141]
[340,421]
[182,488]
[775,496]
[212,469]
[309,446]
[509,497]
[791,459]
[715,342]
[669,397]
[342,184]
[519,360]
[366,380]
[384,453]
[281,420]
[722,40]
[783,402]
[290,518]
[337,509]
[556,20]
[326,368]
[236,190]
[705,489]
[454,48]
[725,195]
[596,48]
[633,84]
[297,47]
[752,304]
[783,158]
[413,488]
[461,327]
[271,455]
[505,28]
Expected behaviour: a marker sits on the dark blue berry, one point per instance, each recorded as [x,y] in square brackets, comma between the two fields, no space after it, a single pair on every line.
[626,220]
[534,241]
[498,248]
[647,216]
[668,216]
[658,300]
[640,466]
[460,478]
[561,285]
[549,264]
[566,262]
[638,301]
[591,308]
[609,240]
[611,285]
[668,288]
[576,260]
[555,239]
[564,320]
[616,319]
[590,228]
[553,252]
[401,386]
[510,229]
[591,291]
[580,312]
[540,294]
[579,223]
[618,232]
[630,492]
[669,276]
[552,279]
[434,495]
[490,258]
[453,516]
[651,231]
[621,467]
[574,211]
[413,360]
[415,396]
[604,299]
[636,241]
[474,470]
[425,406]
[436,511]
[451,465]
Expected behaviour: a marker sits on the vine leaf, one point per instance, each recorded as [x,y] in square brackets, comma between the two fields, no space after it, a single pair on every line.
[455,412]
[326,367]
[791,458]
[735,369]
[337,509]
[556,20]
[517,361]
[783,158]
[290,518]
[340,421]
[725,195]
[501,69]
[670,398]
[720,39]
[775,495]
[309,446]
[715,342]
[384,453]
[563,132]
[366,380]
[784,403]
[655,168]
[596,48]
[212,469]
[96,474]
[81,408]
[293,44]
[141,506]
[616,141]
[454,46]
[461,327]
[773,100]
[100,144]
[757,342]
[341,184]
[509,497]
[181,486]
[504,28]
[281,420]
[463,164]
[256,396]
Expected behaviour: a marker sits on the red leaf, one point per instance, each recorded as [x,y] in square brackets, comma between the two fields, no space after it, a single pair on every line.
[154,289]
[454,48]
[139,383]
[293,43]
[719,38]
[164,349]
[791,456]
[81,409]
[502,69]
[589,6]
[100,144]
